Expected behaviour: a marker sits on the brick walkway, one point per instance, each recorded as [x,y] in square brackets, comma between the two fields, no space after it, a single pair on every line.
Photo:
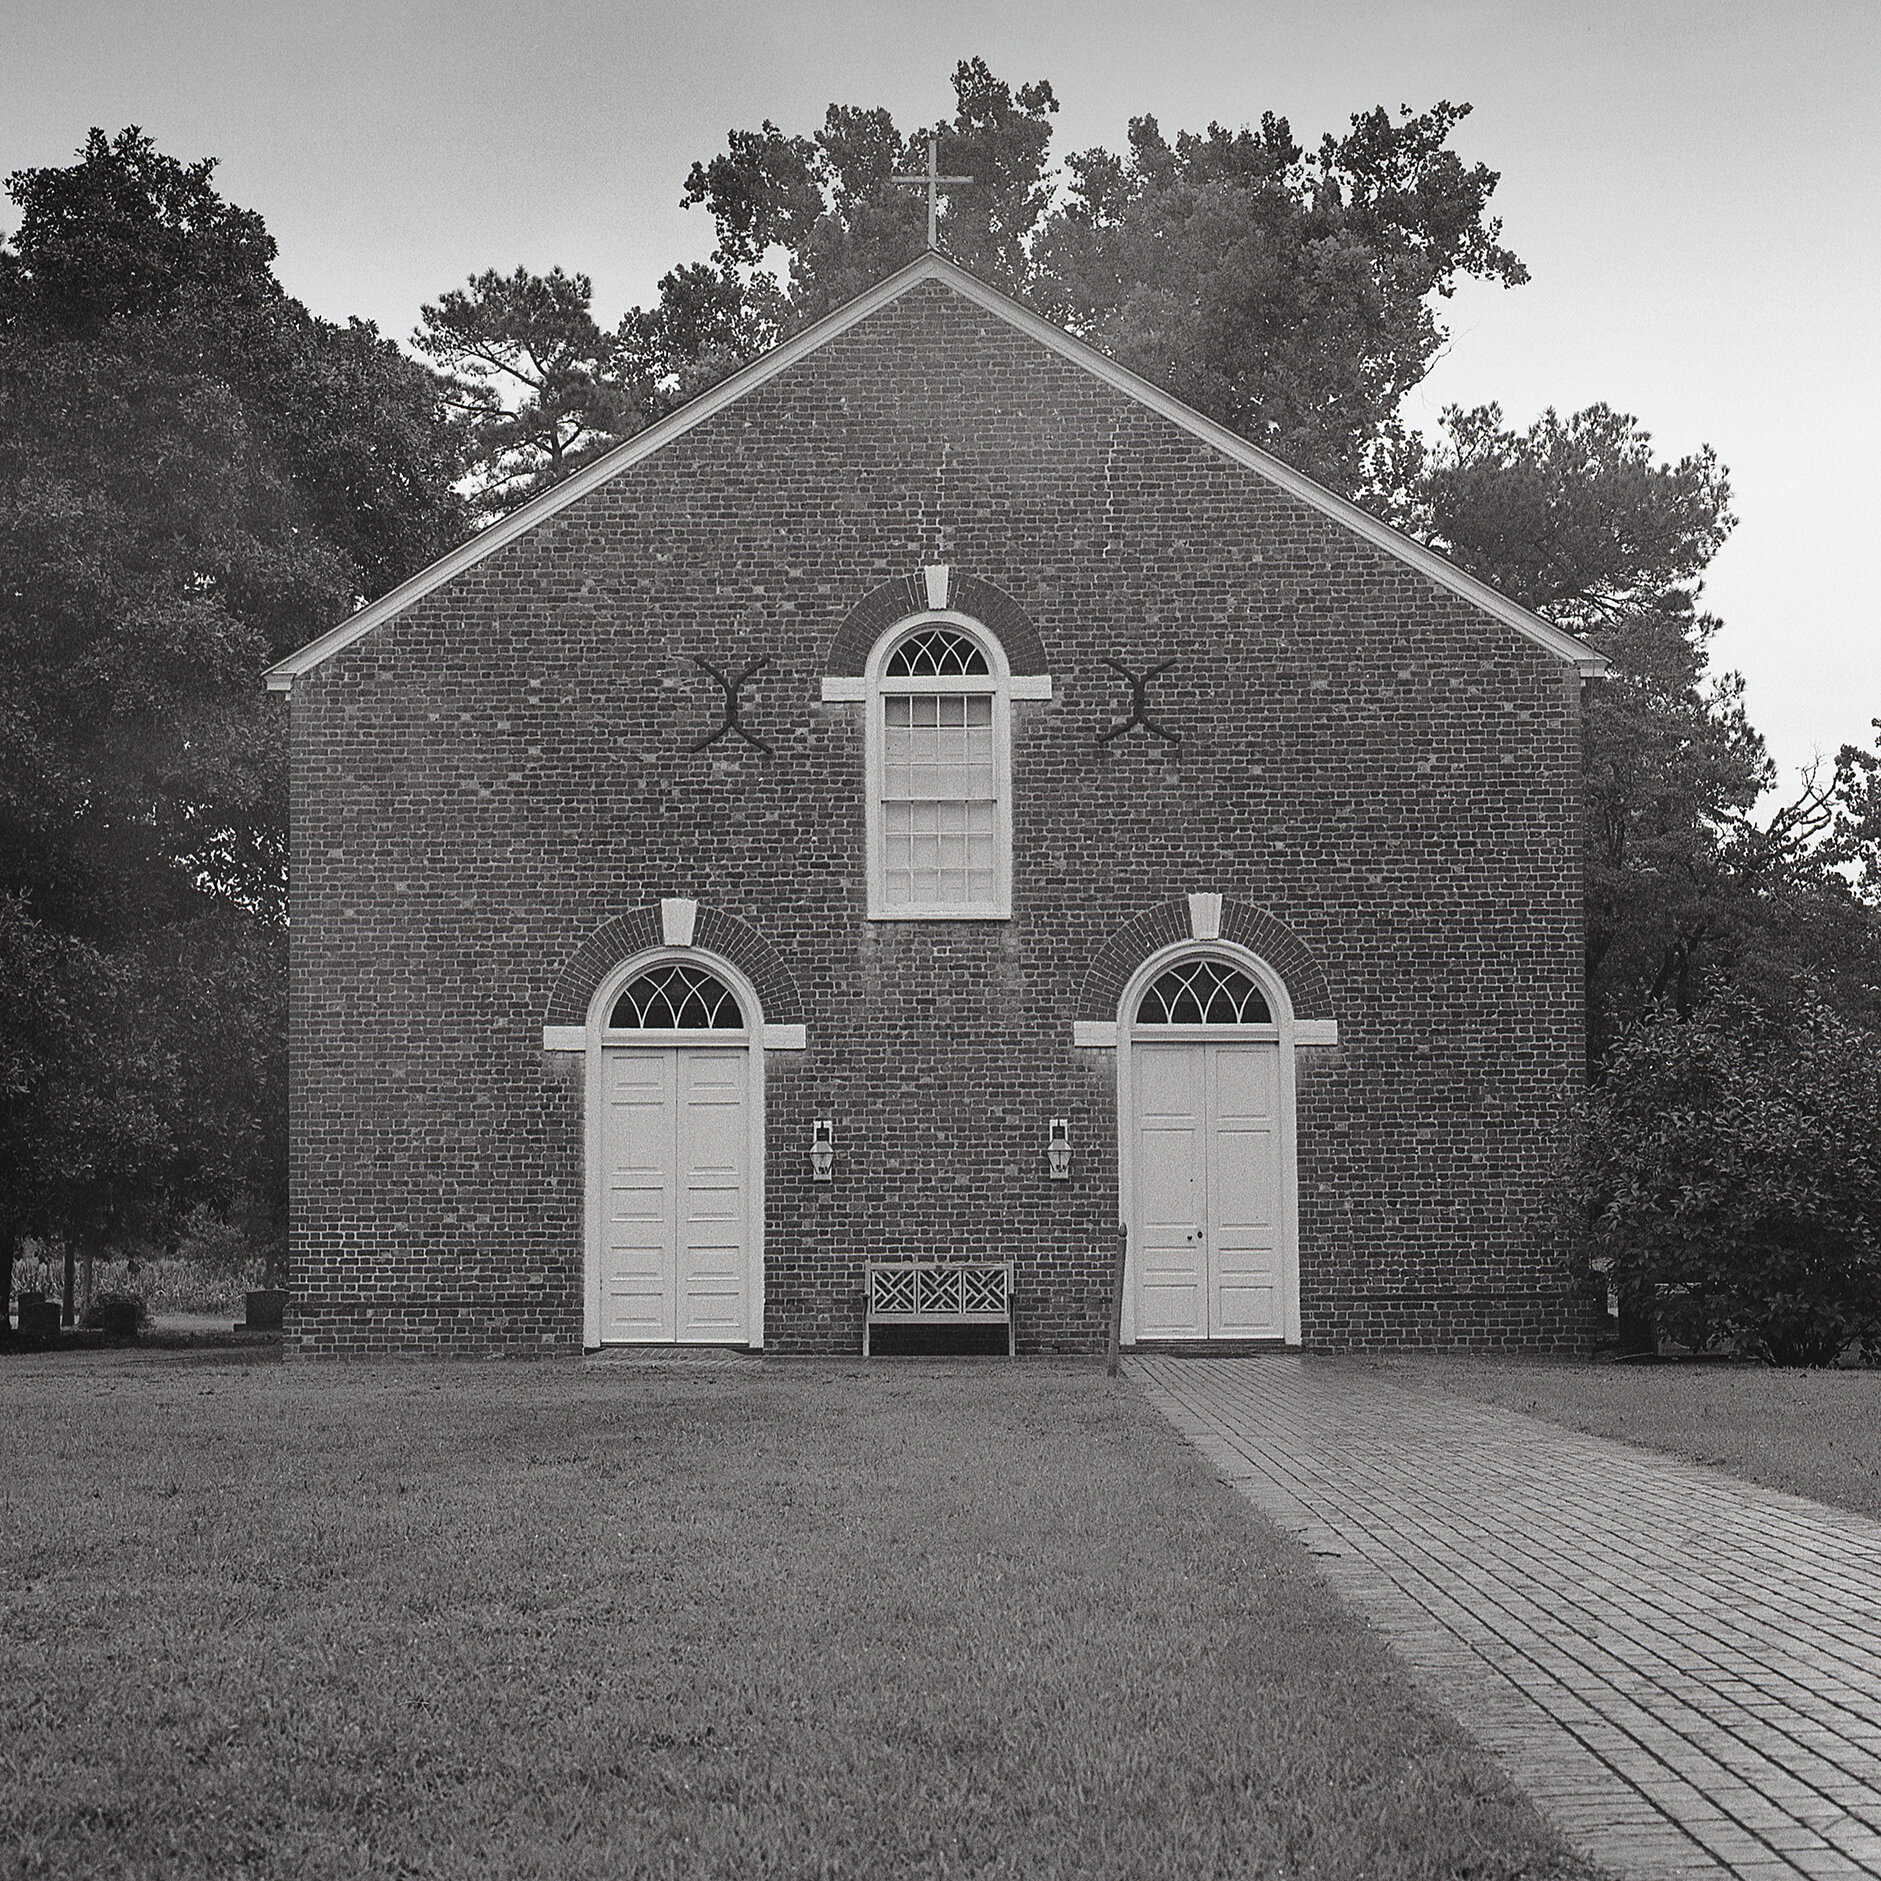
[1684,1670]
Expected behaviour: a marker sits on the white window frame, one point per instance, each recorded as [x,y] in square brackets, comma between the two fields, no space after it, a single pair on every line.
[995,683]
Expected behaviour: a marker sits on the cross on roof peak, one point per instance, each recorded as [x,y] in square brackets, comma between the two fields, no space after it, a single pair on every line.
[931,181]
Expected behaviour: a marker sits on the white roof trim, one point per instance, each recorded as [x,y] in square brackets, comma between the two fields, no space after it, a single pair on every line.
[932,266]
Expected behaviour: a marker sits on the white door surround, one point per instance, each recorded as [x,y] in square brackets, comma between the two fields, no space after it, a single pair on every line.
[1213,1105]
[681,1113]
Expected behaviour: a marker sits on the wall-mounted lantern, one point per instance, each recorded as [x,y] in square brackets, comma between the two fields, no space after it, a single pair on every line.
[1058,1149]
[823,1149]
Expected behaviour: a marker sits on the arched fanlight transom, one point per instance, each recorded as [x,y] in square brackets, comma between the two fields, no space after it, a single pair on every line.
[1203,992]
[676,998]
[937,653]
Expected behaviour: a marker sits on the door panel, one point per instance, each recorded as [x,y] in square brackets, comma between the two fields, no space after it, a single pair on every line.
[637,1251]
[712,1147]
[675,1148]
[1171,1190]
[1244,1192]
[1208,1235]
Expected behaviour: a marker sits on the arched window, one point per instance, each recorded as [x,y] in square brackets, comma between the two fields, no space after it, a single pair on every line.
[940,815]
[1203,992]
[936,653]
[674,997]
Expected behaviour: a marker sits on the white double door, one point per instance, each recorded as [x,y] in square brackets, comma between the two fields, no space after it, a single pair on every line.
[675,1245]
[1209,1228]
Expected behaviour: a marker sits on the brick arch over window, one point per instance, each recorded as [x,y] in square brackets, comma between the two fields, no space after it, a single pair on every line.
[907,594]
[1168,923]
[714,931]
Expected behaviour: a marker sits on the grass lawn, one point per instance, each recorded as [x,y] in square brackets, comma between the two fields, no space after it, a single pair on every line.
[1814,1433]
[704,1618]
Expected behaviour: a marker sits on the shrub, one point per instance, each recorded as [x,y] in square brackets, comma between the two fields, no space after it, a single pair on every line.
[173,1285]
[1731,1178]
[114,1312]
[230,1247]
[214,1244]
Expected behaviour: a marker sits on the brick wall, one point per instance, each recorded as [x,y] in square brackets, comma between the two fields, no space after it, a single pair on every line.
[485,782]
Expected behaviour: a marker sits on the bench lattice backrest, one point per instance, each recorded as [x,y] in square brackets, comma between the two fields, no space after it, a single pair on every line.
[939,1289]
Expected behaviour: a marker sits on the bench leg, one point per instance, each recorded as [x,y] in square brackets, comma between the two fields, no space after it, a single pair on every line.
[865,1335]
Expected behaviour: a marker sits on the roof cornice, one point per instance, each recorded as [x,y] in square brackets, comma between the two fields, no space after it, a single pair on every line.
[931,266]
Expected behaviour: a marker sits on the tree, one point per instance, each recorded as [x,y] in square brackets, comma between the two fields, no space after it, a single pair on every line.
[51,984]
[1731,1184]
[94,1098]
[1575,519]
[707,322]
[538,384]
[195,476]
[830,203]
[1686,877]
[129,251]
[150,568]
[1288,296]
[826,209]
[127,233]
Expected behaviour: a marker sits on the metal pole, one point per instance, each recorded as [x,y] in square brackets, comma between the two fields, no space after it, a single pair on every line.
[1116,1301]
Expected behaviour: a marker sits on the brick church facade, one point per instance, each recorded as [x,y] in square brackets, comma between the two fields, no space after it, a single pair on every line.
[932,742]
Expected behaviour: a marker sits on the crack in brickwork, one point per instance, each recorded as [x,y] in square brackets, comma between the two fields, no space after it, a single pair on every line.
[1682,1668]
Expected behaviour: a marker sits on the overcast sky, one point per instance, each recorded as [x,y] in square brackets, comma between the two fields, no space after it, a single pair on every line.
[1692,183]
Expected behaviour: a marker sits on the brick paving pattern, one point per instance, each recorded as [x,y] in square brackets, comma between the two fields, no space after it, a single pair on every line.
[1684,1670]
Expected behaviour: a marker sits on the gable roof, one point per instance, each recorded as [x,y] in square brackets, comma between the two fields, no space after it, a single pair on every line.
[933,266]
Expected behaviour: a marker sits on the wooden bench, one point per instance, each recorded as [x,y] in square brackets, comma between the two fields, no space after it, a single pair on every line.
[939,1293]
